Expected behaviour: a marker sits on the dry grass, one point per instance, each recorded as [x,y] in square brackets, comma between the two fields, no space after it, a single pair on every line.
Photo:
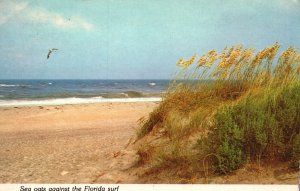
[200,92]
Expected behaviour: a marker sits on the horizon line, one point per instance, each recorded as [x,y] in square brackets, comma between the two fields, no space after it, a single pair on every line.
[84,79]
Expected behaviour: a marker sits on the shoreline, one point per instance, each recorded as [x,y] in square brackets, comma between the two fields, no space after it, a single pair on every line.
[74,101]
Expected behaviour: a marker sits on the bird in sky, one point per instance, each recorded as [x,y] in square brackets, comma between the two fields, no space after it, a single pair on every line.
[50,51]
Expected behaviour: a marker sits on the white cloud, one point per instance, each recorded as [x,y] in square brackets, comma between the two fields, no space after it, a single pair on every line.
[9,9]
[289,4]
[21,11]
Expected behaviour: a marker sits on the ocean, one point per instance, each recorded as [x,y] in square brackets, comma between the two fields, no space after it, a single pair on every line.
[57,92]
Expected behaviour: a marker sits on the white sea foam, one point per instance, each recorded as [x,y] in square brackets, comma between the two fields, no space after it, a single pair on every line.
[152,84]
[8,85]
[98,97]
[65,101]
[14,85]
[125,94]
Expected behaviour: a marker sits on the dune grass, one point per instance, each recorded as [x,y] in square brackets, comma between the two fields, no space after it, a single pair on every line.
[226,109]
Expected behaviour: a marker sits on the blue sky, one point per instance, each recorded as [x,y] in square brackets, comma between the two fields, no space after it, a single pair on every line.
[132,39]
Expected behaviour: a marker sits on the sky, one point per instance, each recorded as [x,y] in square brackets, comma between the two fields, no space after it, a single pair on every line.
[133,39]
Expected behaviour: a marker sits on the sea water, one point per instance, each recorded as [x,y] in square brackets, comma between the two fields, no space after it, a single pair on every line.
[57,92]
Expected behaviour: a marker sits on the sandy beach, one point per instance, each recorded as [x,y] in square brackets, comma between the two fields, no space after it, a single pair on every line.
[69,143]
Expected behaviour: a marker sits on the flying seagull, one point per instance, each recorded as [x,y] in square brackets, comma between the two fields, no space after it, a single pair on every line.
[50,51]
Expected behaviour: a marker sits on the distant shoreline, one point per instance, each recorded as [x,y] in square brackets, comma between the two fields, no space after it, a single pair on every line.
[75,101]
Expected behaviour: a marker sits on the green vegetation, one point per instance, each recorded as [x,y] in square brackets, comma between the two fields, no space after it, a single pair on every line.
[236,107]
[257,127]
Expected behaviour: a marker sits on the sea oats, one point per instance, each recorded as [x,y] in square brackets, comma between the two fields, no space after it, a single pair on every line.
[202,60]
